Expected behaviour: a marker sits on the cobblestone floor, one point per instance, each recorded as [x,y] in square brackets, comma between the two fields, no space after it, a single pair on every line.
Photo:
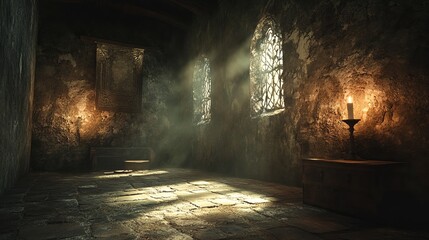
[171,204]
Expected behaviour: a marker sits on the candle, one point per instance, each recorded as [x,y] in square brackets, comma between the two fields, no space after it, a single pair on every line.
[350,108]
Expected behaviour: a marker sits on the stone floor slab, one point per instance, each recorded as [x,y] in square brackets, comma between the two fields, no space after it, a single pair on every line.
[204,204]
[110,230]
[210,234]
[224,201]
[51,231]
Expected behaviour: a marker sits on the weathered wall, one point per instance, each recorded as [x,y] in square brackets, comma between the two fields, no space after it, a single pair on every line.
[375,51]
[18,34]
[66,121]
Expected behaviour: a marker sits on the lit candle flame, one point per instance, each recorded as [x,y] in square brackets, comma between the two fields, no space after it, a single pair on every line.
[350,114]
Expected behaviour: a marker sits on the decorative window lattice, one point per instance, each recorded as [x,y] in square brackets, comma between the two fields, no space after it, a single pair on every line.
[202,91]
[266,66]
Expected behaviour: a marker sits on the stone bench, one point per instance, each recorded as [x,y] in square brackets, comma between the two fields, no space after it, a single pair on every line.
[121,158]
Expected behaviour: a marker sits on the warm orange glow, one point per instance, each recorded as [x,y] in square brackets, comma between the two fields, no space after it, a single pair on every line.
[349,99]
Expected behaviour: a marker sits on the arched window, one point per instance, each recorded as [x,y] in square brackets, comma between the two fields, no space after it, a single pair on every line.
[202,91]
[266,66]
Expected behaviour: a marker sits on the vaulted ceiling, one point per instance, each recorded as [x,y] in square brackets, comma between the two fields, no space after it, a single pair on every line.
[160,19]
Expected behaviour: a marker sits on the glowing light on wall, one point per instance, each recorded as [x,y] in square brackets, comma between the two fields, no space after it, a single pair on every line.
[360,102]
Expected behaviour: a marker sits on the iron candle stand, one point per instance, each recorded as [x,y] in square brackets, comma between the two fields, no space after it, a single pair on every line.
[352,123]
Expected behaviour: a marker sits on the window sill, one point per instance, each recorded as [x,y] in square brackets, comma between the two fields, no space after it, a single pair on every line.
[269,114]
[203,123]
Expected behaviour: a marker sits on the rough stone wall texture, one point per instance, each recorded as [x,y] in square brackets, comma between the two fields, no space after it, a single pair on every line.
[18,34]
[375,51]
[66,121]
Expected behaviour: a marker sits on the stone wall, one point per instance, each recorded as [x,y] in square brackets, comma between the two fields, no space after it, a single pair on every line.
[18,34]
[66,121]
[375,51]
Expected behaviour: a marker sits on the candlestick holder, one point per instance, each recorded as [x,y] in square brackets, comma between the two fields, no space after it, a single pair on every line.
[352,123]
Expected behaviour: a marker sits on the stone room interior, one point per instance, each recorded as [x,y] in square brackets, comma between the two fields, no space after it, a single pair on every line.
[214,119]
